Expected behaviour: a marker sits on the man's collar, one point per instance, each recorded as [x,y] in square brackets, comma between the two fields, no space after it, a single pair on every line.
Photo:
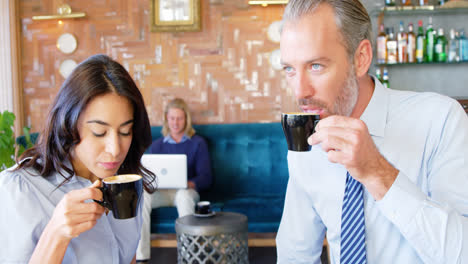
[375,115]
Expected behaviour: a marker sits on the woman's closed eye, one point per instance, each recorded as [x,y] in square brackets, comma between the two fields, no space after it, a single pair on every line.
[123,133]
[96,134]
[126,129]
[126,132]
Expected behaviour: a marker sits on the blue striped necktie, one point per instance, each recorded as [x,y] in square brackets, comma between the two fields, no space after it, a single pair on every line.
[353,232]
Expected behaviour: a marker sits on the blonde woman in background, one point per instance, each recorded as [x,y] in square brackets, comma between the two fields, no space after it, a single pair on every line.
[178,138]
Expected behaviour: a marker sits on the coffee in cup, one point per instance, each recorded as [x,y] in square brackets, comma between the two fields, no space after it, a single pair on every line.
[121,194]
[297,128]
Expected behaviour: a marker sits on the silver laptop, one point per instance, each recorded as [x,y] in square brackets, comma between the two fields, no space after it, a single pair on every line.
[170,169]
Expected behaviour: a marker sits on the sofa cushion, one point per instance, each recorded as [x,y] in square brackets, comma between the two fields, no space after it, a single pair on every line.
[249,173]
[162,220]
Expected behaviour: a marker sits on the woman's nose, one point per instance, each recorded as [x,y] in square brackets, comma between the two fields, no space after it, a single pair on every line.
[113,145]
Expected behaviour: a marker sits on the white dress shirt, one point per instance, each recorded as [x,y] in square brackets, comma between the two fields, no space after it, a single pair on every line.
[28,202]
[423,218]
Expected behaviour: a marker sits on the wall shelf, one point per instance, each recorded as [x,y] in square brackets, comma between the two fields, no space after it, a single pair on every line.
[428,10]
[50,17]
[421,64]
[63,12]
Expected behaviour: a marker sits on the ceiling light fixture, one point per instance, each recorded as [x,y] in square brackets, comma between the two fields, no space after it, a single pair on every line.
[268,2]
[63,12]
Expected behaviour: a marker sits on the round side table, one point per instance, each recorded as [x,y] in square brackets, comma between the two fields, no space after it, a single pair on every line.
[221,238]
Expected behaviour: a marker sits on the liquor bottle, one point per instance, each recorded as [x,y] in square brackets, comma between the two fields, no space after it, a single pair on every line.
[411,44]
[382,45]
[440,50]
[402,39]
[453,47]
[406,2]
[392,47]
[420,43]
[463,46]
[430,38]
[385,79]
[378,74]
[390,2]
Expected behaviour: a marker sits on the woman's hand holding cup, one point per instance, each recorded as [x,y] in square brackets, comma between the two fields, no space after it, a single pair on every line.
[73,216]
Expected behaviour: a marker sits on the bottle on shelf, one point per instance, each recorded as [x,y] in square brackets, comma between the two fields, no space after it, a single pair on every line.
[430,39]
[390,2]
[378,74]
[423,2]
[420,43]
[402,39]
[382,45]
[411,44]
[392,47]
[406,2]
[385,79]
[463,46]
[440,47]
[453,47]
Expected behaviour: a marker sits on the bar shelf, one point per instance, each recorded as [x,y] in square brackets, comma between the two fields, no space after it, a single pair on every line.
[421,63]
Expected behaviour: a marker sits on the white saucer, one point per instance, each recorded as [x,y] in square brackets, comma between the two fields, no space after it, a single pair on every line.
[205,215]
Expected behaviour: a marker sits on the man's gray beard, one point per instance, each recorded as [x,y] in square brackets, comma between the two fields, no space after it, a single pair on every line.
[347,99]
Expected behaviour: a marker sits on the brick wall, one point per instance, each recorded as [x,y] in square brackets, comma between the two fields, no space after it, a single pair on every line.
[223,71]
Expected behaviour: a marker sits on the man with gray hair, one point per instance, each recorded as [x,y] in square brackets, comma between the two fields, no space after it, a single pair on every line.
[386,179]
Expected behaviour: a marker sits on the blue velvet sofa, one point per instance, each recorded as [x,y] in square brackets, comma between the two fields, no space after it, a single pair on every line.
[250,174]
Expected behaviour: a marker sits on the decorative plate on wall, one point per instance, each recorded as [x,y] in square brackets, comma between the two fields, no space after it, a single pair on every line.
[275,60]
[274,31]
[67,43]
[66,67]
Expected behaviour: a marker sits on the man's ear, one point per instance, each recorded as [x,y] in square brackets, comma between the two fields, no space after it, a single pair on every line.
[363,58]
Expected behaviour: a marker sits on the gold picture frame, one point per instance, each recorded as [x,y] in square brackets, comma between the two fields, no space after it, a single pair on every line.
[175,15]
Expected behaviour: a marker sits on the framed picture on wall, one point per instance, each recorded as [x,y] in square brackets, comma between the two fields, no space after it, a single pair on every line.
[175,15]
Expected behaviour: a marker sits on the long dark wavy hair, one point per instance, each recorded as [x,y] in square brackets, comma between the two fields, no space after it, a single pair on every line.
[95,76]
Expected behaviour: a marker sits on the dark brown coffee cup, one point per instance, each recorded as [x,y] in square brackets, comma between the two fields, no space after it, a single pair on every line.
[121,194]
[297,128]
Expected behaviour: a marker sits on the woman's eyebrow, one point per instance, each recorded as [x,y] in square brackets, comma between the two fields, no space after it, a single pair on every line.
[100,122]
[127,122]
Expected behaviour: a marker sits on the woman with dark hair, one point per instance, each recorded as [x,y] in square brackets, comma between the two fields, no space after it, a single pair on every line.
[97,127]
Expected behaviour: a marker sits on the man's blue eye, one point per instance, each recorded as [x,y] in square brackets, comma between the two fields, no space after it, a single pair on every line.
[315,67]
[287,69]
